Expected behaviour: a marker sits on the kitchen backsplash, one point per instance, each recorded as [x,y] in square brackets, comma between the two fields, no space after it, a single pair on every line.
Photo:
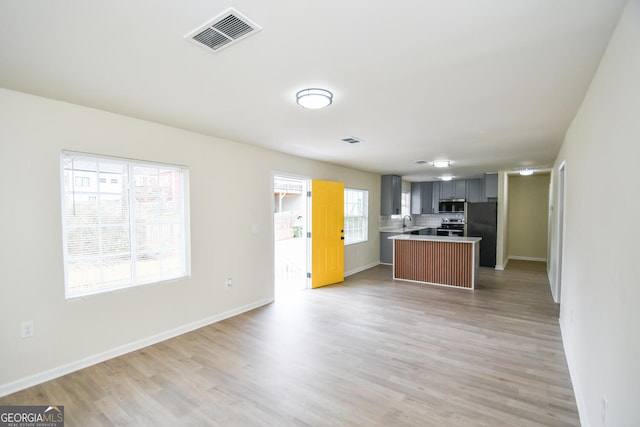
[430,220]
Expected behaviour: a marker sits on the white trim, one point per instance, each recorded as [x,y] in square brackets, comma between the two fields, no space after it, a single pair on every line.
[307,227]
[577,391]
[527,258]
[435,284]
[359,269]
[502,267]
[68,368]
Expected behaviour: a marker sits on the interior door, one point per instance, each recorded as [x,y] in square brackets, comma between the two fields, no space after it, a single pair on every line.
[327,233]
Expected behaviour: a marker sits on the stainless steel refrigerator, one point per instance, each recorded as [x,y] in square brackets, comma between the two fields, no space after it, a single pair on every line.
[481,220]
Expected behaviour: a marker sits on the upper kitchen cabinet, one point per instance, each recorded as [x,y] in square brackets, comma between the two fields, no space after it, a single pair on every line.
[474,190]
[490,186]
[391,197]
[456,189]
[435,196]
[421,198]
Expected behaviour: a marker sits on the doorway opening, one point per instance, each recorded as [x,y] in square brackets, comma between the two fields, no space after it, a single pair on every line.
[290,227]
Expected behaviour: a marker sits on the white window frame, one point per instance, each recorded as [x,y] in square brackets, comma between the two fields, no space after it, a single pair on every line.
[406,204]
[166,219]
[351,212]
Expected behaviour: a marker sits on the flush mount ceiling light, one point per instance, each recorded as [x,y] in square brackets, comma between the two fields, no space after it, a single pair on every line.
[314,98]
[441,163]
[526,172]
[446,177]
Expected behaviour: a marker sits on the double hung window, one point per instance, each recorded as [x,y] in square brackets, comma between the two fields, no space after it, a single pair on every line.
[355,216]
[125,223]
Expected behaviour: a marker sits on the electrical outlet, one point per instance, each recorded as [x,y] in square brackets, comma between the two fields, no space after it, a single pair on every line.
[228,283]
[603,410]
[26,329]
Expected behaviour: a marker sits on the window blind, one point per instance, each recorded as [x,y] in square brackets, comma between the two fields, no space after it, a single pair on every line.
[124,223]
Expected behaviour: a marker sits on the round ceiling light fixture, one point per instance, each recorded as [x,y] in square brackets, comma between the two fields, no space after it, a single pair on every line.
[314,98]
[526,172]
[446,177]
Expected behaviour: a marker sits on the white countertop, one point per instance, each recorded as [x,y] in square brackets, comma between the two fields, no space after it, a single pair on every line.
[436,238]
[399,229]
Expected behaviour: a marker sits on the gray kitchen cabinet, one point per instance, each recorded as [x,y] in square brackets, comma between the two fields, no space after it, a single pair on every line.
[446,190]
[435,199]
[421,198]
[456,189]
[386,248]
[459,189]
[474,190]
[391,197]
[490,186]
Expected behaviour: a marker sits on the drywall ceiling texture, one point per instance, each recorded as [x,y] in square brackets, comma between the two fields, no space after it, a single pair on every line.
[490,84]
[231,212]
[600,296]
[528,217]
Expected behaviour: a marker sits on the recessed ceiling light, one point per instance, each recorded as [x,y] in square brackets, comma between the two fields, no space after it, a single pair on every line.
[314,98]
[441,163]
[446,177]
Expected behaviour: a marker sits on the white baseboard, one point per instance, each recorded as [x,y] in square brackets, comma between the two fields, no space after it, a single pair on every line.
[527,258]
[577,391]
[59,371]
[359,269]
[502,266]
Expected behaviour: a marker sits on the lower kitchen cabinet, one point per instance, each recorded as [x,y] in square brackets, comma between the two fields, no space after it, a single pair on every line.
[386,248]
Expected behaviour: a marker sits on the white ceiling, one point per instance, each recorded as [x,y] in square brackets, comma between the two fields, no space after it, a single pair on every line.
[491,85]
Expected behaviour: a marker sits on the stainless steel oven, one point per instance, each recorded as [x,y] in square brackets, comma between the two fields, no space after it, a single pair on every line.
[451,227]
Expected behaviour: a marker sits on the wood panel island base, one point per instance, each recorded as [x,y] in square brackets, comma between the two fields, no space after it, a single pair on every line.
[436,260]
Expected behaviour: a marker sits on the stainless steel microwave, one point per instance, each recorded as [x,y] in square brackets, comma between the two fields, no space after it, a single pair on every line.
[451,205]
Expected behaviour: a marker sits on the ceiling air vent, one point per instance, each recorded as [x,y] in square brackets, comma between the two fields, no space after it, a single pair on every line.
[222,31]
[351,140]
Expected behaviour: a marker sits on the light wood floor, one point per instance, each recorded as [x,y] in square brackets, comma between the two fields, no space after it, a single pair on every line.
[369,352]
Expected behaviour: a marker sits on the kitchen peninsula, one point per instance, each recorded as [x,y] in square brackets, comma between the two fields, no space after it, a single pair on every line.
[436,260]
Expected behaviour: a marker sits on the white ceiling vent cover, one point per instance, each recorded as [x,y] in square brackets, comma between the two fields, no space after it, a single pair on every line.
[222,31]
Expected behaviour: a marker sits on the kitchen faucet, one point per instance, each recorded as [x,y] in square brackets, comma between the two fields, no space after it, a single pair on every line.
[404,225]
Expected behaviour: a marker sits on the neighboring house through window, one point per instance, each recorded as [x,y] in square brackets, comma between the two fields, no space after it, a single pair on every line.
[125,223]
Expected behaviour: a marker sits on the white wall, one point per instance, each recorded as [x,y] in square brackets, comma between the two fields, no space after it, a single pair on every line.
[230,193]
[600,296]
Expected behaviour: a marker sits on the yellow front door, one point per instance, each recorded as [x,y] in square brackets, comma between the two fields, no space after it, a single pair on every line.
[327,233]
